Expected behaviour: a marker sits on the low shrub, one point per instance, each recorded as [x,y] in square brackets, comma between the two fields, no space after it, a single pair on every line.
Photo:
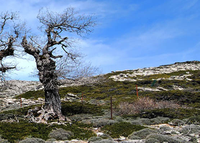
[190,129]
[142,133]
[164,138]
[194,120]
[144,103]
[177,122]
[72,108]
[179,113]
[31,94]
[15,132]
[121,129]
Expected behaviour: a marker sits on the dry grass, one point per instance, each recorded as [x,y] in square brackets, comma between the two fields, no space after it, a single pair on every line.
[144,103]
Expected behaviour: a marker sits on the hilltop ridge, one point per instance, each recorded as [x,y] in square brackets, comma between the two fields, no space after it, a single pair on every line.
[132,75]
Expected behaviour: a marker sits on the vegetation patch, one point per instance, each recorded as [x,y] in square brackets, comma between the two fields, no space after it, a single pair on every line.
[121,129]
[179,113]
[194,120]
[142,104]
[20,111]
[72,108]
[14,132]
[182,97]
[68,109]
[31,95]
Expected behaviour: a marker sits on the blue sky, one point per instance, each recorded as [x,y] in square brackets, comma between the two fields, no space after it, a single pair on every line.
[130,34]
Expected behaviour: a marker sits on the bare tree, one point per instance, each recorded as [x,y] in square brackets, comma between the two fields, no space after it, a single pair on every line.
[58,27]
[9,32]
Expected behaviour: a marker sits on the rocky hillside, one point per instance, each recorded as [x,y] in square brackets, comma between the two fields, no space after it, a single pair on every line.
[134,75]
[157,104]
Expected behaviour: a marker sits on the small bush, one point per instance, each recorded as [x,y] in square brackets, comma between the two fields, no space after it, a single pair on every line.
[194,120]
[32,140]
[164,138]
[179,113]
[152,140]
[121,129]
[177,122]
[14,132]
[142,133]
[72,108]
[32,94]
[190,129]
[144,103]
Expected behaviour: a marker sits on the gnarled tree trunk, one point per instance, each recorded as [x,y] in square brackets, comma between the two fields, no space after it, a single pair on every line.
[56,27]
[48,77]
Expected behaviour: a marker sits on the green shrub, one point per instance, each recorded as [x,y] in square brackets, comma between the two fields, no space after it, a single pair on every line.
[14,132]
[190,129]
[121,129]
[72,108]
[142,133]
[181,97]
[21,111]
[164,138]
[179,113]
[68,109]
[32,94]
[194,120]
[152,140]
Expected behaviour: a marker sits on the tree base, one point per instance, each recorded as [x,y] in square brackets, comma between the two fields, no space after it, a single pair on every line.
[41,115]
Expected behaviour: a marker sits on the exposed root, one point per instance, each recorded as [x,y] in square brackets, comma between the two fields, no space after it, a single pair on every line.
[41,115]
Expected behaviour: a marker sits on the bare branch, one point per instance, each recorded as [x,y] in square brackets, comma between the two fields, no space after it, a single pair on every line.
[68,21]
[29,48]
[9,32]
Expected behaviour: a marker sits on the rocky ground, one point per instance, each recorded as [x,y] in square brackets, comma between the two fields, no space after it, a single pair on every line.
[159,129]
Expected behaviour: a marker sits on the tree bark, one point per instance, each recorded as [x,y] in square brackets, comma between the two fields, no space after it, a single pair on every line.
[48,77]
